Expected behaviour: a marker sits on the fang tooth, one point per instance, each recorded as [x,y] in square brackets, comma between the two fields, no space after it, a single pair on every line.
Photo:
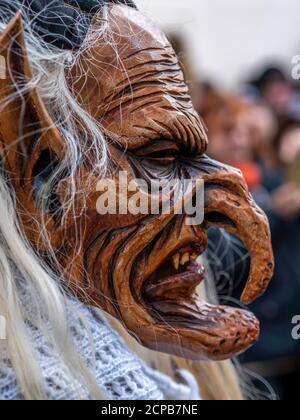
[194,257]
[185,258]
[176,261]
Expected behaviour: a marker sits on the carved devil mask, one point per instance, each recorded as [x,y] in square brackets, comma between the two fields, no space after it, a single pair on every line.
[141,269]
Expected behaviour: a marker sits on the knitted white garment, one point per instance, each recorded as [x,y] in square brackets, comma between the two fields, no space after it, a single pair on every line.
[120,374]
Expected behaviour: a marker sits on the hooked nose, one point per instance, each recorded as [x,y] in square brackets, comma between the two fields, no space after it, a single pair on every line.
[229,205]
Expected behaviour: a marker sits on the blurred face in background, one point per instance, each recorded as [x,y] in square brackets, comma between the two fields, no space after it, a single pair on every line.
[230,133]
[263,126]
[277,94]
[289,147]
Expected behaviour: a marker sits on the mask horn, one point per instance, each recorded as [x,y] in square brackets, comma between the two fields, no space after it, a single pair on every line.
[26,128]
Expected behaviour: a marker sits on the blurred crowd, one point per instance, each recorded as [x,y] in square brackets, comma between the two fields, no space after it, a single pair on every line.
[256,128]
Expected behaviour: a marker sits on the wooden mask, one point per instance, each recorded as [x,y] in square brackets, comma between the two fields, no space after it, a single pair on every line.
[141,269]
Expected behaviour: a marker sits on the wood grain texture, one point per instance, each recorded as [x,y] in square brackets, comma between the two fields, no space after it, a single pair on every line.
[134,87]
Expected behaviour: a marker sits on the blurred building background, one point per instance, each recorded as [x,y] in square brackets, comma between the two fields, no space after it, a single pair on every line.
[237,58]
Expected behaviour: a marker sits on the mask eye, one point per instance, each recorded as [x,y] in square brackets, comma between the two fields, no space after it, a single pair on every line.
[161,152]
[163,156]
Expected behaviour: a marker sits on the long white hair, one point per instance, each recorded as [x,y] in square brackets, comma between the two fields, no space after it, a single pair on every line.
[19,265]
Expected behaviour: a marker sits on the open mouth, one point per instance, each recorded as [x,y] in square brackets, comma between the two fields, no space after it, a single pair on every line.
[178,276]
[171,297]
[171,291]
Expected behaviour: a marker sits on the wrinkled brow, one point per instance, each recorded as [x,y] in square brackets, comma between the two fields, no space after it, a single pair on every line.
[134,86]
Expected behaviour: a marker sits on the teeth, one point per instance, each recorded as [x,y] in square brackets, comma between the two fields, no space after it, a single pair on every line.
[181,260]
[194,257]
[185,258]
[176,260]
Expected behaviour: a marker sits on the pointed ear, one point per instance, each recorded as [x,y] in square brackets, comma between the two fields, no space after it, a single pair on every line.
[26,129]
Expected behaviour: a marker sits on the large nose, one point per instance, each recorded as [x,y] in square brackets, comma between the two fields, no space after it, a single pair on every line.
[229,205]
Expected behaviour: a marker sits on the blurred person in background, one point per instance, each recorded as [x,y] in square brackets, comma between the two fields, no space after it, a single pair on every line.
[277,92]
[251,137]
